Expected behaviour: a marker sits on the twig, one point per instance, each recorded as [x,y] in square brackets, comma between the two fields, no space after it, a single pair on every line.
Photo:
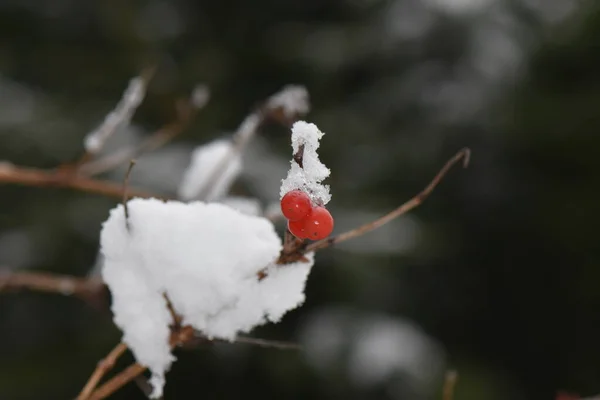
[178,338]
[125,188]
[185,114]
[463,155]
[50,283]
[58,178]
[274,108]
[119,116]
[449,384]
[273,344]
[246,131]
[103,367]
[117,382]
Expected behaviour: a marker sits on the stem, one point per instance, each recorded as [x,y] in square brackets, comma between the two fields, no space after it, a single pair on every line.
[463,155]
[103,367]
[41,178]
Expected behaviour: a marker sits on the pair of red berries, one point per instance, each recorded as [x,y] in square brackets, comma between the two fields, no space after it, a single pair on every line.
[304,220]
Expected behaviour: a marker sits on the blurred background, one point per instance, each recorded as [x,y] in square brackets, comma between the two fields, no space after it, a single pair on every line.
[496,275]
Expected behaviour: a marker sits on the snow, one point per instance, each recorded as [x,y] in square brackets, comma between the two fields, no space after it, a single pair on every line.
[308,177]
[245,205]
[213,169]
[205,258]
[292,99]
[119,117]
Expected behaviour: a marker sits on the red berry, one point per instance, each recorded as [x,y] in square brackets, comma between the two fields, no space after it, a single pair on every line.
[297,228]
[319,224]
[295,205]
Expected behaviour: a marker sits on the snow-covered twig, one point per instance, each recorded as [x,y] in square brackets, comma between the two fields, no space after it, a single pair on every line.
[285,106]
[103,367]
[51,283]
[186,110]
[121,115]
[10,173]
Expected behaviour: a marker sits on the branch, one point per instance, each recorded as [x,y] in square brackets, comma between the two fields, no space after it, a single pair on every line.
[273,344]
[10,173]
[449,384]
[284,107]
[185,114]
[463,155]
[129,374]
[51,283]
[103,367]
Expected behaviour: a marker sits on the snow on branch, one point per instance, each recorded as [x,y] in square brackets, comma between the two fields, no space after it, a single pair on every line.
[119,117]
[204,159]
[292,100]
[307,171]
[215,166]
[205,258]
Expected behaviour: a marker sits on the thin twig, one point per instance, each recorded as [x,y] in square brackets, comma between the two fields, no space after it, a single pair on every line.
[246,131]
[50,283]
[118,382]
[273,344]
[103,367]
[57,178]
[463,155]
[271,109]
[449,384]
[178,338]
[118,117]
[125,188]
[185,114]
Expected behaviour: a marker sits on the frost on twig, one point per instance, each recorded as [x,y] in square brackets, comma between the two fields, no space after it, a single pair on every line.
[119,117]
[292,101]
[186,110]
[205,258]
[307,171]
[285,106]
[196,178]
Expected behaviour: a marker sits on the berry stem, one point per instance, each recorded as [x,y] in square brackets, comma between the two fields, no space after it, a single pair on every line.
[464,155]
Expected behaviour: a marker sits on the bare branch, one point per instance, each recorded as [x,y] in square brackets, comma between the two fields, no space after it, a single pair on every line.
[10,173]
[103,367]
[51,283]
[463,155]
[118,381]
[125,188]
[273,344]
[449,384]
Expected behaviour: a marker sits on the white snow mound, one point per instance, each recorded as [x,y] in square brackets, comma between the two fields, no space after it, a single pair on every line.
[205,258]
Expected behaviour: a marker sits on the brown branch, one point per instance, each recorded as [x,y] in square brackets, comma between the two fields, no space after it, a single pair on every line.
[51,283]
[463,155]
[449,384]
[120,380]
[125,189]
[103,367]
[59,178]
[273,344]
